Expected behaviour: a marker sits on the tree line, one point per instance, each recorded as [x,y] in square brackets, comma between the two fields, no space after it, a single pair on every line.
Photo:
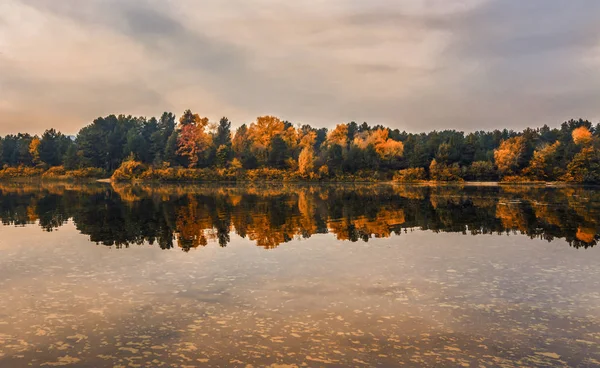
[569,152]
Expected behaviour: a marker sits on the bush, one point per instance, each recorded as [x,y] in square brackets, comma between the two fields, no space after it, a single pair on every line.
[54,172]
[442,172]
[86,173]
[21,172]
[128,170]
[413,174]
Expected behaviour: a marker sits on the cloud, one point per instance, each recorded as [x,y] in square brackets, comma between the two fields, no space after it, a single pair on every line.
[418,65]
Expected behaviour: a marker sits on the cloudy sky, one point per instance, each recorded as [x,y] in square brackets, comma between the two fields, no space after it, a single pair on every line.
[415,65]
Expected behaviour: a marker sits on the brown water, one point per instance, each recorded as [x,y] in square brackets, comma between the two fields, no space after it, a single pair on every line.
[94,276]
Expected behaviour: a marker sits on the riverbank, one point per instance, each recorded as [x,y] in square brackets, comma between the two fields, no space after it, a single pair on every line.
[135,173]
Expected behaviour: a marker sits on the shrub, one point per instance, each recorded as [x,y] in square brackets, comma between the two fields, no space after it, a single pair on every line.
[21,172]
[54,172]
[442,172]
[128,170]
[413,174]
[86,173]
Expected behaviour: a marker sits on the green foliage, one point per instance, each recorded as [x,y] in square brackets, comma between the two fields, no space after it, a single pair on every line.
[222,156]
[481,171]
[444,172]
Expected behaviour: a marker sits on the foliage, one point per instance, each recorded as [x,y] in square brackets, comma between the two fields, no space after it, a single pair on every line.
[34,150]
[481,170]
[508,155]
[541,165]
[413,174]
[130,169]
[585,167]
[194,140]
[306,161]
[582,135]
[347,152]
[444,172]
[20,172]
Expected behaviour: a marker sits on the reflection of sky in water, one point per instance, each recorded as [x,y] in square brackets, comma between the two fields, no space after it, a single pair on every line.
[420,298]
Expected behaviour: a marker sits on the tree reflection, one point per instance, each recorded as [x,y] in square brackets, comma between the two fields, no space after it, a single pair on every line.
[189,216]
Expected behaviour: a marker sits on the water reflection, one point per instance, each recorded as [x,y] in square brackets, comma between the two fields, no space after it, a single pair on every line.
[450,296]
[191,216]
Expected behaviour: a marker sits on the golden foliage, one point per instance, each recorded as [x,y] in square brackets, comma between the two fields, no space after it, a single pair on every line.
[582,135]
[306,161]
[263,130]
[55,172]
[509,153]
[308,139]
[20,172]
[324,171]
[385,147]
[34,149]
[339,135]
[128,170]
[540,164]
[235,164]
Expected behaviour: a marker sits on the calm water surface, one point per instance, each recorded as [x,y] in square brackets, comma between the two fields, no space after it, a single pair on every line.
[285,276]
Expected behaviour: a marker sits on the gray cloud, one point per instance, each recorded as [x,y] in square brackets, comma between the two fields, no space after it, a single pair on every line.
[419,65]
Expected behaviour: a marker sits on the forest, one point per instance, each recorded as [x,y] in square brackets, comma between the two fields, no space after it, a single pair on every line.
[193,148]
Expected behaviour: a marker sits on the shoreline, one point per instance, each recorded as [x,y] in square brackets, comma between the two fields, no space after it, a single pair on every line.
[428,183]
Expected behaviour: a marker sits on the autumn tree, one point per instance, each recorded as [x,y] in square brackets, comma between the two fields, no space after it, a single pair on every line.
[262,134]
[385,147]
[508,155]
[34,150]
[338,136]
[585,167]
[194,140]
[541,165]
[306,161]
[582,136]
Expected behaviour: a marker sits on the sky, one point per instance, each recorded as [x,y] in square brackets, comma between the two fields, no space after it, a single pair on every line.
[416,65]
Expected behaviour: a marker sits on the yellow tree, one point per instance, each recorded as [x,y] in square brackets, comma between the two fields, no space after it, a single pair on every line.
[508,155]
[385,147]
[307,139]
[306,161]
[339,135]
[582,135]
[262,132]
[540,166]
[34,150]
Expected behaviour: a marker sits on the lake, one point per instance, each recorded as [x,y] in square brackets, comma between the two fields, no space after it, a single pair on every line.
[95,275]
